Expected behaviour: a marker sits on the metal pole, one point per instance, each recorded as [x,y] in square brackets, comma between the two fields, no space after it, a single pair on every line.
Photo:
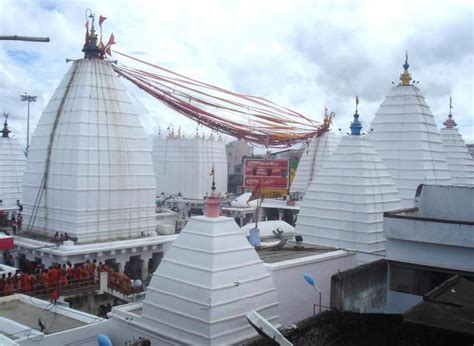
[28,129]
[320,295]
[29,99]
[24,38]
[319,301]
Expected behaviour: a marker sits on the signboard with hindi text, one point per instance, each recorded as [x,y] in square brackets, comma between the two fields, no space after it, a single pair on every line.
[265,173]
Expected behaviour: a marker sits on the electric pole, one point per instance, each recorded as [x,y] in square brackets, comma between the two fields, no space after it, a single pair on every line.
[29,99]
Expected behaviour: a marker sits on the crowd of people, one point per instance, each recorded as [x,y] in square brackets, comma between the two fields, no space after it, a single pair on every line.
[60,238]
[56,278]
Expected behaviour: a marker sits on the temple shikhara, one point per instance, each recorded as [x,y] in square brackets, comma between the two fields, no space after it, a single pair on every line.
[407,139]
[319,149]
[12,168]
[344,204]
[183,166]
[89,173]
[89,184]
[112,235]
[460,163]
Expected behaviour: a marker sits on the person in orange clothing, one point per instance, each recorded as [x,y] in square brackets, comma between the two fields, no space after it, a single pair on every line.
[87,268]
[9,287]
[16,281]
[63,280]
[78,274]
[54,296]
[69,272]
[25,284]
[45,279]
[31,281]
[53,276]
[108,269]
[125,284]
[63,276]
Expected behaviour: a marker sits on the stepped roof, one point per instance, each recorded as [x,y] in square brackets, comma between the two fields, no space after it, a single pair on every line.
[209,279]
[182,165]
[460,162]
[89,171]
[11,169]
[405,135]
[318,150]
[344,204]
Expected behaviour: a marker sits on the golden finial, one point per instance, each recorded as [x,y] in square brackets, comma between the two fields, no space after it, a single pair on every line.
[405,77]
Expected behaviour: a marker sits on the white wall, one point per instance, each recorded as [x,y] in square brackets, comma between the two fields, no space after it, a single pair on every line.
[446,202]
[296,297]
[434,244]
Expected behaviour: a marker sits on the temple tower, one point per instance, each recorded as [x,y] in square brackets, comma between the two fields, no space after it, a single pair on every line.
[89,171]
[344,204]
[460,162]
[12,167]
[408,141]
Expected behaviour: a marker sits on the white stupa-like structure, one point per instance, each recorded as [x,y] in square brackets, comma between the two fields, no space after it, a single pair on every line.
[12,167]
[183,165]
[319,149]
[209,279]
[89,171]
[408,141]
[344,205]
[460,162]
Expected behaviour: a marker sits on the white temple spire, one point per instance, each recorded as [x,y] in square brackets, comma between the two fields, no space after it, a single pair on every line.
[89,170]
[317,150]
[460,162]
[408,141]
[12,167]
[344,204]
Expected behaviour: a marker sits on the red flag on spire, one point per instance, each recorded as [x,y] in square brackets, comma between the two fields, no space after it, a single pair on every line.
[212,172]
[111,40]
[109,44]
[101,20]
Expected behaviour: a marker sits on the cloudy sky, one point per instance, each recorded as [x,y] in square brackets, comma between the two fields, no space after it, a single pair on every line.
[300,54]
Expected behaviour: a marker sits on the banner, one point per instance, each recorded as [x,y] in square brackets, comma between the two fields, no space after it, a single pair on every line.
[270,174]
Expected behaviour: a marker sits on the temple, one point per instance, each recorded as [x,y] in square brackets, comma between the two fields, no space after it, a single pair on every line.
[11,170]
[460,162]
[405,135]
[89,171]
[183,165]
[89,185]
[209,279]
[344,205]
[110,217]
[316,153]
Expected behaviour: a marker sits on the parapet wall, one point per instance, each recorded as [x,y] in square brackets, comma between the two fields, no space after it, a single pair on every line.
[362,289]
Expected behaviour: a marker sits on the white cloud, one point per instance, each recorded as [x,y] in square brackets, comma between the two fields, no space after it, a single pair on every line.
[300,54]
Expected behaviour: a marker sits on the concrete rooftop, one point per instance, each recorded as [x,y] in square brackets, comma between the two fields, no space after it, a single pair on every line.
[28,315]
[290,252]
